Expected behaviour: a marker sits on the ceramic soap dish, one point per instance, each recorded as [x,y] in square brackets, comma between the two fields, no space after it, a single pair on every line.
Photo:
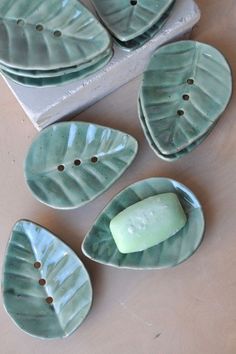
[133,22]
[185,89]
[47,43]
[46,289]
[45,105]
[99,244]
[71,163]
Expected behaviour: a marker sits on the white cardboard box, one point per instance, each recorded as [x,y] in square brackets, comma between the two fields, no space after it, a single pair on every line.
[47,105]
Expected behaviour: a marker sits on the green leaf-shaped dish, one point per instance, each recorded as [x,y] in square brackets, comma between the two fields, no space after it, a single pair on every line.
[46,289]
[185,89]
[139,41]
[171,157]
[56,72]
[127,19]
[63,78]
[100,246]
[70,164]
[44,34]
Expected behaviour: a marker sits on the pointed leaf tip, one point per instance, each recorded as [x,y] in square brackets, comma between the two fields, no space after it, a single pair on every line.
[46,288]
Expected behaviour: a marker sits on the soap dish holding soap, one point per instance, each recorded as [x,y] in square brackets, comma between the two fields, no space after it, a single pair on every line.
[100,246]
[46,289]
[71,163]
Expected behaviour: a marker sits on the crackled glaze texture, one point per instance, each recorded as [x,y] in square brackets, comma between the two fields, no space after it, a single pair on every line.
[99,244]
[128,19]
[43,34]
[185,89]
[70,164]
[46,289]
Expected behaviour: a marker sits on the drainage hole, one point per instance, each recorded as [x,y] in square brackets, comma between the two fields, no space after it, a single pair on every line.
[77,162]
[61,168]
[49,300]
[42,282]
[94,159]
[180,112]
[186,97]
[39,28]
[37,265]
[57,33]
[190,81]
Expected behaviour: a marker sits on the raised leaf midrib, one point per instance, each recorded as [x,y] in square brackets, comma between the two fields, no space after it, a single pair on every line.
[46,29]
[42,290]
[35,295]
[196,131]
[83,34]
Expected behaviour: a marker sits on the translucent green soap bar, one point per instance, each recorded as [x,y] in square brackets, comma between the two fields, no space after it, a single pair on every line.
[147,223]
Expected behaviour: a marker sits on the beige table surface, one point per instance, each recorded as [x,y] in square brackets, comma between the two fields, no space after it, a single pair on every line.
[190,309]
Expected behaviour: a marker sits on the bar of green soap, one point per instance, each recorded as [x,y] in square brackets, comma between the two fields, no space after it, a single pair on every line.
[147,223]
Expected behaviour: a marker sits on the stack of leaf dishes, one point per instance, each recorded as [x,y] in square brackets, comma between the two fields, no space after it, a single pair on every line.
[133,22]
[185,89]
[45,43]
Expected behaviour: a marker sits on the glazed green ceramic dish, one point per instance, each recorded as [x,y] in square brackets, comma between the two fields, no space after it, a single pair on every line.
[185,89]
[70,164]
[171,157]
[60,80]
[47,35]
[128,19]
[48,74]
[99,244]
[46,289]
[139,41]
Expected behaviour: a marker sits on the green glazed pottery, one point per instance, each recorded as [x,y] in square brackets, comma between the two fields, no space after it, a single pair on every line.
[99,244]
[171,157]
[46,35]
[71,163]
[39,74]
[63,78]
[185,89]
[127,19]
[139,41]
[46,289]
